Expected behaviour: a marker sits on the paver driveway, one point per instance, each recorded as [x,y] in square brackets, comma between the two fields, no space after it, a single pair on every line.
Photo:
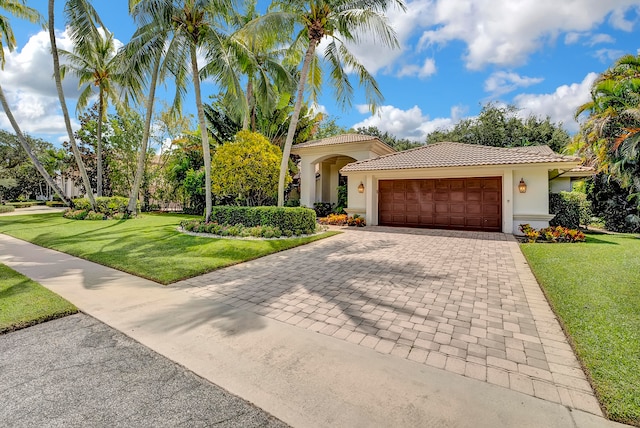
[465,302]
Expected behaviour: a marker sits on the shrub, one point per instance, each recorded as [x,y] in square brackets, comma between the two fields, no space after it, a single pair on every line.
[75,214]
[55,204]
[357,221]
[112,207]
[240,230]
[323,209]
[571,209]
[284,218]
[614,204]
[7,208]
[334,219]
[22,204]
[92,215]
[551,234]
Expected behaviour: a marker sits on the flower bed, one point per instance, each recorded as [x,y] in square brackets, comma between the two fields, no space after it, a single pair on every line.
[551,234]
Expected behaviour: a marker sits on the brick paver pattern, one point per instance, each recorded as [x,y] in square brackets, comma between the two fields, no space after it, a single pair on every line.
[465,302]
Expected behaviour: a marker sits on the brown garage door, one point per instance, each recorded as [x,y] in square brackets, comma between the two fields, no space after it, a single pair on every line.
[452,203]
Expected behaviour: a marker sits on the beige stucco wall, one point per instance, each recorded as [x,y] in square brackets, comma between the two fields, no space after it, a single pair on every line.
[532,206]
[560,184]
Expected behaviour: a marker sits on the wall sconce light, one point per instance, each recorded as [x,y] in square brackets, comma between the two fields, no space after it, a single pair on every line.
[361,187]
[522,186]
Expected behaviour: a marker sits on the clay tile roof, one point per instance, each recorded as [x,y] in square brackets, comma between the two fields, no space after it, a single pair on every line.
[447,154]
[338,139]
[583,168]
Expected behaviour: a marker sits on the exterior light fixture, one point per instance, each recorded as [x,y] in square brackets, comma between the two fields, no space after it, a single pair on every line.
[522,186]
[361,187]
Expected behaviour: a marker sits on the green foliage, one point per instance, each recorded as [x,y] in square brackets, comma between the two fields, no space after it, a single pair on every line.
[323,209]
[7,208]
[107,207]
[22,204]
[609,138]
[245,171]
[357,221]
[572,209]
[551,234]
[298,220]
[502,127]
[55,204]
[615,204]
[235,230]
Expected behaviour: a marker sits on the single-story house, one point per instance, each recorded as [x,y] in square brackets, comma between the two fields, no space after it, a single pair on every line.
[441,185]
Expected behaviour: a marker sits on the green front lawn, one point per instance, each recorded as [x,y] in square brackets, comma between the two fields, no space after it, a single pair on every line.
[594,289]
[24,302]
[148,246]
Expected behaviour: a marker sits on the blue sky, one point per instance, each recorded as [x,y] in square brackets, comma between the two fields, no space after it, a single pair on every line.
[540,55]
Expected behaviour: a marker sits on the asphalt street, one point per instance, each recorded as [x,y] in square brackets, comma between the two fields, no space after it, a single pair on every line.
[77,371]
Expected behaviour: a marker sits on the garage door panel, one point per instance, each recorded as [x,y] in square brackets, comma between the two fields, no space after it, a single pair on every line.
[459,203]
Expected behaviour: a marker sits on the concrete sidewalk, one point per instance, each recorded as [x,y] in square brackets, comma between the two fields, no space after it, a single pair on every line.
[301,377]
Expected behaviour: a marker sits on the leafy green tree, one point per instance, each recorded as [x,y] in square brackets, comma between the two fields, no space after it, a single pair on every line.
[245,171]
[329,127]
[500,126]
[191,24]
[96,67]
[19,9]
[83,18]
[610,135]
[397,143]
[341,22]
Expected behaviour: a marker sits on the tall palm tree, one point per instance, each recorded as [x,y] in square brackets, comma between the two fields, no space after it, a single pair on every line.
[19,9]
[340,21]
[190,25]
[84,14]
[263,61]
[96,67]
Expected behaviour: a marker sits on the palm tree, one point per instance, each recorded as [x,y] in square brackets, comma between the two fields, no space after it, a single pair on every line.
[83,15]
[96,67]
[610,136]
[20,10]
[341,21]
[190,25]
[263,61]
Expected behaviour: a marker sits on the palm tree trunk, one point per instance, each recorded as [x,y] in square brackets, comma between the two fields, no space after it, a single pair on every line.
[27,148]
[99,178]
[206,153]
[293,124]
[245,120]
[63,106]
[142,155]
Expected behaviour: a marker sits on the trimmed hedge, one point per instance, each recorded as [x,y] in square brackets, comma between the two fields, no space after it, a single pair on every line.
[298,220]
[55,204]
[105,205]
[571,209]
[22,204]
[7,208]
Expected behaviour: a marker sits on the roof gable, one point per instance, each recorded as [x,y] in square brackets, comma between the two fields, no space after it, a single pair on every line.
[449,154]
[341,139]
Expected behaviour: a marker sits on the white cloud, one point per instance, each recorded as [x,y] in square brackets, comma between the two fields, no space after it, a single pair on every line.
[597,39]
[620,22]
[560,105]
[507,32]
[410,124]
[427,69]
[503,82]
[572,38]
[319,108]
[28,83]
[607,56]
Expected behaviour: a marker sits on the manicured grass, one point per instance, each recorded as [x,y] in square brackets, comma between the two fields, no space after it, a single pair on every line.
[24,302]
[594,288]
[148,246]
